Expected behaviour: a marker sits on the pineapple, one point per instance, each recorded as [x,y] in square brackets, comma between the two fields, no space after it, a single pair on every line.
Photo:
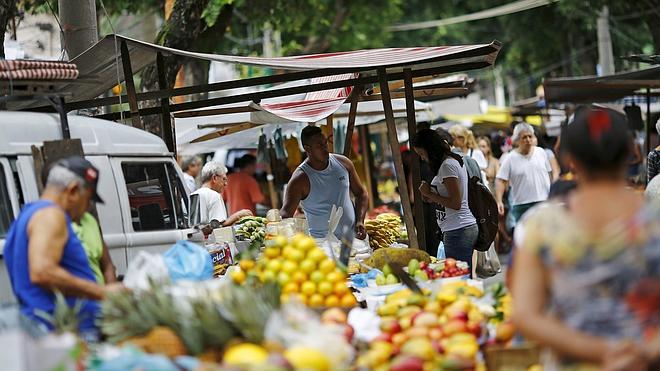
[249,308]
[64,318]
[164,340]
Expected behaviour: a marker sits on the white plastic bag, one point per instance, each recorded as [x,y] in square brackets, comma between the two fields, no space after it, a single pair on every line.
[296,325]
[488,264]
[144,267]
[331,244]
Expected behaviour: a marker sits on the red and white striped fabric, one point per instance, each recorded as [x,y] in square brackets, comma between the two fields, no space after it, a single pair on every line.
[316,105]
[37,70]
[22,64]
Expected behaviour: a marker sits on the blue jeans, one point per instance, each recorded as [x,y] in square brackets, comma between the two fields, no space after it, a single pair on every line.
[459,243]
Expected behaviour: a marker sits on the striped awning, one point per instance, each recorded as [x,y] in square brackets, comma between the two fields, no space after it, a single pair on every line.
[99,70]
[316,105]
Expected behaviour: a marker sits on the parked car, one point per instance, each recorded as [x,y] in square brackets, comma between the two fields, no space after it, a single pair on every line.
[146,202]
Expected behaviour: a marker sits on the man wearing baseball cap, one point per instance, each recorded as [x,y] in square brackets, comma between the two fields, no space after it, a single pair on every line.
[42,252]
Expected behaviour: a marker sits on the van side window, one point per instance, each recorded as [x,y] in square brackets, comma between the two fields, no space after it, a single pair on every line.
[153,196]
[6,212]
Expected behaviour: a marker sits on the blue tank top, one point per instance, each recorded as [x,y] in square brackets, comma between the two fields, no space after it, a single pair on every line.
[32,297]
[327,187]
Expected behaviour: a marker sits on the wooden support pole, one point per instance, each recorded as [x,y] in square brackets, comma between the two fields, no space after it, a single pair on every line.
[331,133]
[649,125]
[398,163]
[168,129]
[130,86]
[352,113]
[416,171]
[366,160]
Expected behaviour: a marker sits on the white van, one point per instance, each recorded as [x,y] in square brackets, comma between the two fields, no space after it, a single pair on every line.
[139,181]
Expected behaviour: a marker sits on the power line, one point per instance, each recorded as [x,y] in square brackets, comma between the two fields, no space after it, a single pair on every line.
[497,11]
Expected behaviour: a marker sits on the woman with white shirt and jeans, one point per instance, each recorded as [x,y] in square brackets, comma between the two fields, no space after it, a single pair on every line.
[449,189]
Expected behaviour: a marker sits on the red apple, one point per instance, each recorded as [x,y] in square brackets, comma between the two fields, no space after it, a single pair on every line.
[474,328]
[348,333]
[407,364]
[390,326]
[454,326]
[384,337]
[450,263]
[437,346]
[334,315]
[460,315]
[435,333]
[398,339]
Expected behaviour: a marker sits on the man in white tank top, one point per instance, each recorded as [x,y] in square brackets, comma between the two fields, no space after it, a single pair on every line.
[324,180]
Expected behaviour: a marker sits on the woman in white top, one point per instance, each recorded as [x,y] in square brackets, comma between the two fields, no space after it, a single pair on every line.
[465,142]
[449,189]
[493,163]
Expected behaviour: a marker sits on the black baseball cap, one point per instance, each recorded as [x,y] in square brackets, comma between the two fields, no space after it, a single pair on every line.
[83,168]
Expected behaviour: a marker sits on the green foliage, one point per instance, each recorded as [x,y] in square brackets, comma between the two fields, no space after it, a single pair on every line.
[212,11]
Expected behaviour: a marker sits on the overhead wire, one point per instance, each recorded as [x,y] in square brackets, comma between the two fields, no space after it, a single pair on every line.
[497,11]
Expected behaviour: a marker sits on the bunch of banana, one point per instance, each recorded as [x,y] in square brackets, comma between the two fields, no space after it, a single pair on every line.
[252,228]
[220,269]
[383,231]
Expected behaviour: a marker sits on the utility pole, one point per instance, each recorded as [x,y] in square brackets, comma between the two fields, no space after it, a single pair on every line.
[78,18]
[605,54]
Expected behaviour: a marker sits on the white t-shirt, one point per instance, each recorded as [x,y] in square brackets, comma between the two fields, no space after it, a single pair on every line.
[190,182]
[479,157]
[211,205]
[448,218]
[528,176]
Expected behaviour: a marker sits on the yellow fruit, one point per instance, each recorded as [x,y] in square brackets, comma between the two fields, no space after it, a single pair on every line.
[245,354]
[289,267]
[308,288]
[316,276]
[335,277]
[287,251]
[268,276]
[297,255]
[306,358]
[340,289]
[308,266]
[332,301]
[283,278]
[325,288]
[290,288]
[316,255]
[326,266]
[280,241]
[274,266]
[272,252]
[316,300]
[303,242]
[238,276]
[299,277]
[246,264]
[348,300]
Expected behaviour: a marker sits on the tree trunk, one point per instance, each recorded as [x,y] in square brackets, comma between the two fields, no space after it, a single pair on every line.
[652,21]
[7,11]
[180,32]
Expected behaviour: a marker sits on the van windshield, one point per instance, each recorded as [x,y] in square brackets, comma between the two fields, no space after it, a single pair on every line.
[6,212]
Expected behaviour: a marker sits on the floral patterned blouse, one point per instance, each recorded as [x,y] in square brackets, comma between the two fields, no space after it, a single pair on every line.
[653,164]
[606,286]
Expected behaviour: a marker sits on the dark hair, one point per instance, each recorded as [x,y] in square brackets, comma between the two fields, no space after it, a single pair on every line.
[245,161]
[598,138]
[308,133]
[437,148]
